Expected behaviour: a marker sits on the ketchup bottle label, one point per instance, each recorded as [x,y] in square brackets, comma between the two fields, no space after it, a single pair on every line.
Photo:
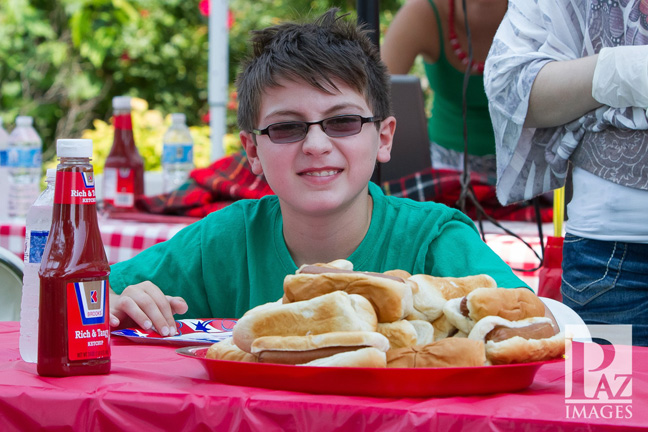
[120,187]
[88,325]
[74,188]
[123,121]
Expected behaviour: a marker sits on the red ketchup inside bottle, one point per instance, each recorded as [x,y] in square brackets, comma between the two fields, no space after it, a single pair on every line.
[124,167]
[74,327]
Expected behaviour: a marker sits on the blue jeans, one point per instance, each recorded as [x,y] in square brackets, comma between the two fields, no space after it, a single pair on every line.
[607,283]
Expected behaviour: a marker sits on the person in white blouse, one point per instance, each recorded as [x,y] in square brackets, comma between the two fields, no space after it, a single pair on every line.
[567,83]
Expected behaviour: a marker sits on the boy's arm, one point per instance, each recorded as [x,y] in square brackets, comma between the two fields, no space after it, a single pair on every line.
[146,306]
[467,255]
[149,288]
[459,251]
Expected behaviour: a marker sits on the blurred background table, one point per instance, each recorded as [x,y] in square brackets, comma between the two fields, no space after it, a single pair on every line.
[125,237]
[122,238]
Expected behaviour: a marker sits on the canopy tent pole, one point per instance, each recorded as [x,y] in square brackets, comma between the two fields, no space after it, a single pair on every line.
[218,74]
[368,13]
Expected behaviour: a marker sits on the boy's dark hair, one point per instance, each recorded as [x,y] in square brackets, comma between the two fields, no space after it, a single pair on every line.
[331,47]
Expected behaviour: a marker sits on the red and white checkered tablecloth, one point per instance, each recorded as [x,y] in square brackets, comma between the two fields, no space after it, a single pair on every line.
[122,239]
[514,252]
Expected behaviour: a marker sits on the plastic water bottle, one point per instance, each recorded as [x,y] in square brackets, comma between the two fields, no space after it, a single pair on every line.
[177,153]
[4,173]
[24,159]
[39,220]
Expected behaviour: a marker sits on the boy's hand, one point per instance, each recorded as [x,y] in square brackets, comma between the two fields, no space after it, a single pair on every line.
[146,306]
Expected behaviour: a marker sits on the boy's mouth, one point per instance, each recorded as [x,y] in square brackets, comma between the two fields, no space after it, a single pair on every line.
[321,173]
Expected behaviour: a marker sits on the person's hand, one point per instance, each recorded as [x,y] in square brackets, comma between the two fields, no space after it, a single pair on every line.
[146,306]
[621,76]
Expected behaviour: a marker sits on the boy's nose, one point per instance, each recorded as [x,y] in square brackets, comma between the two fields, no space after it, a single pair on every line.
[316,141]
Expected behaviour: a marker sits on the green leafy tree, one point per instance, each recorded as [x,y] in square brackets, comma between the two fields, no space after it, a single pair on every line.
[62,61]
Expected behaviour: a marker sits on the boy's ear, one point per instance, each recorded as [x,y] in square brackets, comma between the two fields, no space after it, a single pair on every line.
[249,144]
[386,137]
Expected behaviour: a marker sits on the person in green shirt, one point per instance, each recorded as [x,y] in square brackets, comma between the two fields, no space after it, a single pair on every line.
[436,30]
[315,117]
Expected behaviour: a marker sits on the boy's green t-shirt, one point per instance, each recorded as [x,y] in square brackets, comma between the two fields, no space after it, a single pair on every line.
[236,258]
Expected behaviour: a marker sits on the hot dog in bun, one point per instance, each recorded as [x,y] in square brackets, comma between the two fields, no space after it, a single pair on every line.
[523,341]
[336,311]
[227,350]
[362,358]
[434,292]
[390,295]
[303,349]
[444,353]
[510,303]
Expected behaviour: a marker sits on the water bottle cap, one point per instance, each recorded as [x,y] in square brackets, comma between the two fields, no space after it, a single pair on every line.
[74,148]
[178,118]
[24,121]
[121,103]
[50,174]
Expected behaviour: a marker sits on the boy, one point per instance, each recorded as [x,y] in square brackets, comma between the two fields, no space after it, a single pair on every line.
[315,116]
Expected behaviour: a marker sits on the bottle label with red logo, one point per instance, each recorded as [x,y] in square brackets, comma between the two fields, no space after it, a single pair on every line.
[119,187]
[74,188]
[87,319]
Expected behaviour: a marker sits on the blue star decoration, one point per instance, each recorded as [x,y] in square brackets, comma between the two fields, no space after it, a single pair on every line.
[201,325]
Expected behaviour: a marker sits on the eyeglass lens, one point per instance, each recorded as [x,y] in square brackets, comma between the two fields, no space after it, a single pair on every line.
[334,127]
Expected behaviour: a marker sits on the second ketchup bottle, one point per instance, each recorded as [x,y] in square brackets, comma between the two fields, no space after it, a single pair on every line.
[123,179]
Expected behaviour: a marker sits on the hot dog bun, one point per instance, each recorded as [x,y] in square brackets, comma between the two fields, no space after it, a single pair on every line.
[434,292]
[227,350]
[341,264]
[444,353]
[510,303]
[454,316]
[443,328]
[303,349]
[336,311]
[424,332]
[405,276]
[400,333]
[405,333]
[390,296]
[542,343]
[362,358]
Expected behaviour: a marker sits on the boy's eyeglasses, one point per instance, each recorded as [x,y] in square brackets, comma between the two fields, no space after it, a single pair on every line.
[335,127]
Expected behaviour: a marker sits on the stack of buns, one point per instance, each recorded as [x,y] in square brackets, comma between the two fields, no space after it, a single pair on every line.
[331,315]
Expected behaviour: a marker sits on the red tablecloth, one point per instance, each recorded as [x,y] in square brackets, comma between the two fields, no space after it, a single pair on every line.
[153,388]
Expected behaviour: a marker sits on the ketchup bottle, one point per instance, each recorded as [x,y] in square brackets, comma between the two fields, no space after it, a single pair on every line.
[124,168]
[74,327]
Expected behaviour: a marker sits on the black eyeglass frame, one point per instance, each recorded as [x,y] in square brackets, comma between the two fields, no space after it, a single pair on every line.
[363,120]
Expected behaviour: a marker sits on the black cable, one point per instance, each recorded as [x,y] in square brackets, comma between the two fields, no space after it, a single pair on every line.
[467,191]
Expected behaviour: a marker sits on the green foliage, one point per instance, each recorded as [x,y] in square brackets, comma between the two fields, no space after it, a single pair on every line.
[148,128]
[62,61]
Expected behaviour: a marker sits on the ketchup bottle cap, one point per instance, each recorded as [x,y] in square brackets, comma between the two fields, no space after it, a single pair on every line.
[121,103]
[74,148]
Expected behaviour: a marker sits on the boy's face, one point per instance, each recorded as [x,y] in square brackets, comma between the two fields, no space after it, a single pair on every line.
[319,174]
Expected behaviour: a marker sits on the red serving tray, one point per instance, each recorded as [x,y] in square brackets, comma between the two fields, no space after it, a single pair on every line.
[381,382]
